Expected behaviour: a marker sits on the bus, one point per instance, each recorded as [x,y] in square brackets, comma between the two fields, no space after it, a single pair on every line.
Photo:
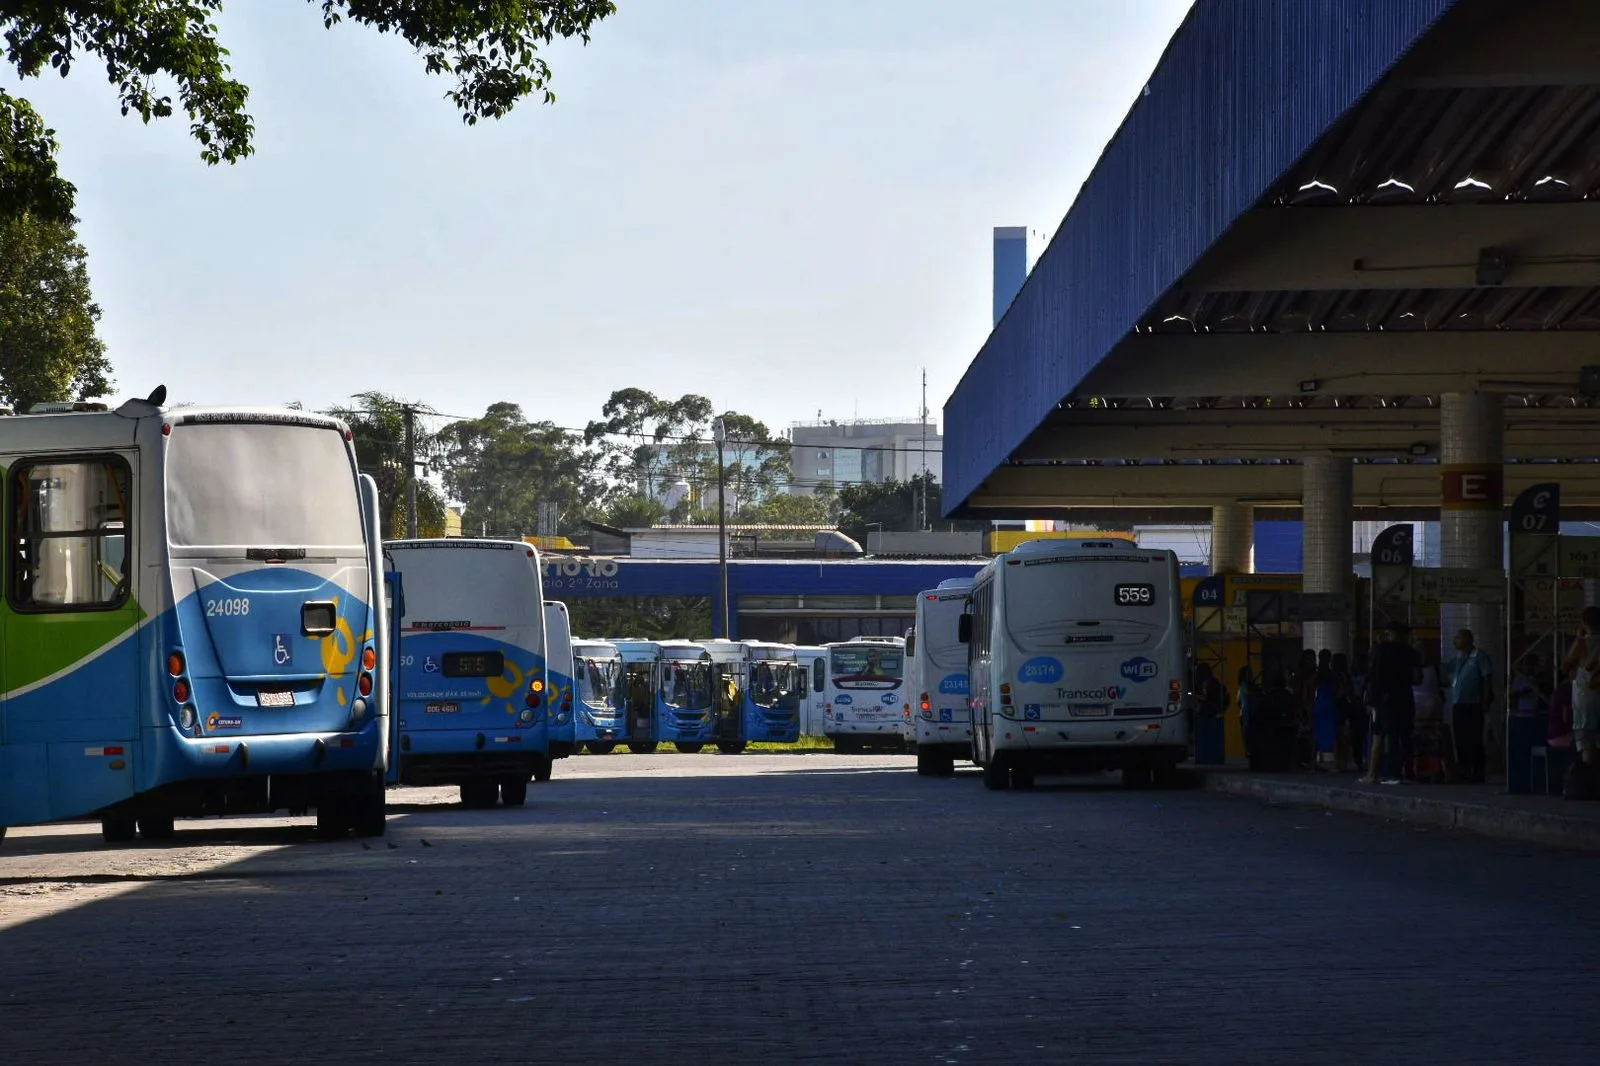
[639,658]
[558,663]
[936,668]
[473,684]
[598,699]
[813,664]
[687,694]
[1076,657]
[863,682]
[772,687]
[191,616]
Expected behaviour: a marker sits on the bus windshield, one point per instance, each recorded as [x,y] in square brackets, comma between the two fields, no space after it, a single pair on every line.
[1120,598]
[598,682]
[686,686]
[867,667]
[234,484]
[775,685]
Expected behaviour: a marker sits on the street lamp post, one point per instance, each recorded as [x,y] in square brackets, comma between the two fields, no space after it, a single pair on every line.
[720,432]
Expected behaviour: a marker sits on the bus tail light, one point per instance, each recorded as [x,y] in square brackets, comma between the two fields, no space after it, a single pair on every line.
[180,691]
[364,685]
[1005,693]
[175,664]
[369,658]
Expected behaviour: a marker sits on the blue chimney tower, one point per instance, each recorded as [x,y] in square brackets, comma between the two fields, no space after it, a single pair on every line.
[1010,266]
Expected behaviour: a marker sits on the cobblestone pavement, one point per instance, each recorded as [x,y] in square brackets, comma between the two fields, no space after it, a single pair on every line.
[800,908]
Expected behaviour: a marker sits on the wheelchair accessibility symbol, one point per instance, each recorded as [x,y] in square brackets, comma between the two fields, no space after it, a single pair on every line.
[282,654]
[429,666]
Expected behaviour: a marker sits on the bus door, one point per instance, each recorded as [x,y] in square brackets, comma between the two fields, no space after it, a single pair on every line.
[727,695]
[639,686]
[70,639]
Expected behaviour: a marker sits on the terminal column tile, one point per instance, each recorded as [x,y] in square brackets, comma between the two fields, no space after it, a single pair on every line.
[1327,502]
[1233,538]
[1471,501]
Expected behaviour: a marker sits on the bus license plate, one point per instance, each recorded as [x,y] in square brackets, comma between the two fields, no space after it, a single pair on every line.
[443,708]
[1091,710]
[275,698]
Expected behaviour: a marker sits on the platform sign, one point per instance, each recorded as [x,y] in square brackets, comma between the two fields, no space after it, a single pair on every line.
[1535,523]
[1457,585]
[1324,606]
[1393,554]
[1579,557]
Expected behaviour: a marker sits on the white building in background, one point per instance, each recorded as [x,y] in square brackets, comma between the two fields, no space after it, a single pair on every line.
[864,451]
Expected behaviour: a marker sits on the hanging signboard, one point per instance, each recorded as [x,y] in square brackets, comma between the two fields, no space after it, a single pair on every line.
[1535,523]
[1579,557]
[1393,555]
[1456,585]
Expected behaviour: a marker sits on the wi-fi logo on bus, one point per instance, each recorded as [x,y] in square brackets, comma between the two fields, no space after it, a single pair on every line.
[1140,669]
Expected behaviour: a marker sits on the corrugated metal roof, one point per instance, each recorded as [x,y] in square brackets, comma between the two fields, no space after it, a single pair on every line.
[1243,91]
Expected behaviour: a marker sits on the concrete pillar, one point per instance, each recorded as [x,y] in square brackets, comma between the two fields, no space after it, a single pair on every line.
[1471,501]
[1327,505]
[1233,538]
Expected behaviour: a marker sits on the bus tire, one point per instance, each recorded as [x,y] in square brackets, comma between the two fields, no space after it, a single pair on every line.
[480,793]
[2,832]
[119,829]
[541,772]
[600,747]
[1137,777]
[845,745]
[689,747]
[642,747]
[947,765]
[997,774]
[156,827]
[927,764]
[730,747]
[369,815]
[1167,776]
[514,791]
[1021,777]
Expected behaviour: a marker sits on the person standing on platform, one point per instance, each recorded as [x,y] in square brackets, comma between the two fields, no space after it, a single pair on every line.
[1583,659]
[1471,695]
[1395,669]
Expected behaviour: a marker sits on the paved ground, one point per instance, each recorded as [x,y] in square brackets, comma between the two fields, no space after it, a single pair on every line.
[794,908]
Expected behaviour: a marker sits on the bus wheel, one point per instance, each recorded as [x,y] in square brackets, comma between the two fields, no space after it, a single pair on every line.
[642,747]
[2,832]
[928,763]
[513,791]
[844,745]
[997,774]
[541,772]
[1167,776]
[1021,777]
[480,793]
[156,827]
[1136,777]
[689,747]
[600,747]
[369,815]
[947,765]
[120,829]
[730,747]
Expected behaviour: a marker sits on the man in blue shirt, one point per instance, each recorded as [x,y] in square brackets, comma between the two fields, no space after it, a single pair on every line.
[1472,694]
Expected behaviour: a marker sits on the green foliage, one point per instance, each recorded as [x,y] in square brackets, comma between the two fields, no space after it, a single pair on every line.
[757,463]
[48,347]
[633,512]
[894,505]
[502,467]
[378,423]
[642,617]
[645,442]
[148,47]
[785,509]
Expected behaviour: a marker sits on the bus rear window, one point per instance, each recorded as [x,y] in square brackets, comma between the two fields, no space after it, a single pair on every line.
[236,484]
[867,666]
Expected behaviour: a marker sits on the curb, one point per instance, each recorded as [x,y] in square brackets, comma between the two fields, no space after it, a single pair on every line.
[1533,827]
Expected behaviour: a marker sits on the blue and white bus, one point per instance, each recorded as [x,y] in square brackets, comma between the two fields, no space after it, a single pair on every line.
[936,669]
[598,699]
[639,659]
[1075,651]
[191,619]
[686,695]
[559,707]
[473,685]
[771,689]
[864,693]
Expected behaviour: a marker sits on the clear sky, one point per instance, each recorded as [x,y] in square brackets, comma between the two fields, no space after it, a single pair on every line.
[786,205]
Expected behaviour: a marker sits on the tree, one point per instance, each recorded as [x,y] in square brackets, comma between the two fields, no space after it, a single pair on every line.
[503,467]
[757,463]
[490,47]
[633,512]
[48,347]
[788,509]
[645,440]
[379,424]
[892,505]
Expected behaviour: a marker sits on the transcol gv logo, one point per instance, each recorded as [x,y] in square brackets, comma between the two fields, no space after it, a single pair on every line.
[1139,670]
[1110,692]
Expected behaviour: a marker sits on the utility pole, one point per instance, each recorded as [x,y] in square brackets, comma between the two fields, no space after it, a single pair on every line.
[923,508]
[411,470]
[720,432]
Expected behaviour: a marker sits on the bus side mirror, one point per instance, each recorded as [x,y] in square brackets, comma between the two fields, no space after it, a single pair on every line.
[964,629]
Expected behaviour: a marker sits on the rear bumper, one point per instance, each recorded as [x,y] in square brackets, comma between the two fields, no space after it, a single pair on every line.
[180,758]
[414,742]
